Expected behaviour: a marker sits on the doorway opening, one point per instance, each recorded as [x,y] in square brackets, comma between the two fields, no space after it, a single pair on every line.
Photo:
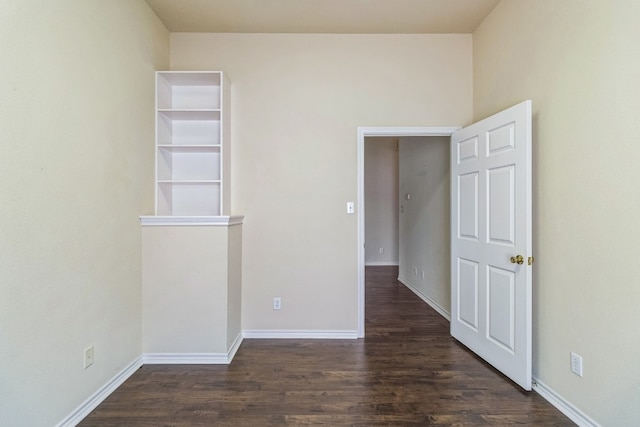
[365,132]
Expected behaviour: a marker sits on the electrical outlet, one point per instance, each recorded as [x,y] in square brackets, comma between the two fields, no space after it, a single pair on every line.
[277,303]
[381,251]
[576,364]
[422,274]
[415,271]
[88,357]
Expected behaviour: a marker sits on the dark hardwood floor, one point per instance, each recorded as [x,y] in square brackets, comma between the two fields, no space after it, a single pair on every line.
[407,371]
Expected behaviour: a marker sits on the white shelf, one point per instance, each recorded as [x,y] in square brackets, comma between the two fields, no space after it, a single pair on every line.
[191,114]
[188,198]
[188,90]
[189,181]
[188,128]
[163,220]
[192,136]
[188,163]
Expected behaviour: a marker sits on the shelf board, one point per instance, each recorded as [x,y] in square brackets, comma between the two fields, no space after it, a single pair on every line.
[160,220]
[189,145]
[188,78]
[189,181]
[205,115]
[187,110]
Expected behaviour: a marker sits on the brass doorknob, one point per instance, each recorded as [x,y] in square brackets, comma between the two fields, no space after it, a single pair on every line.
[518,259]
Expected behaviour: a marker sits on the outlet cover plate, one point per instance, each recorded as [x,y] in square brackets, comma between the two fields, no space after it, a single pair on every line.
[89,356]
[576,364]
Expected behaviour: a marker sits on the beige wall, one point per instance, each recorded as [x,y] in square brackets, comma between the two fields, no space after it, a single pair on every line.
[234,282]
[425,220]
[296,103]
[185,289]
[381,200]
[76,120]
[578,61]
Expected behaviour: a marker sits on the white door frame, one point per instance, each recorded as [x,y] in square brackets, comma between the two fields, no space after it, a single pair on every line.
[364,132]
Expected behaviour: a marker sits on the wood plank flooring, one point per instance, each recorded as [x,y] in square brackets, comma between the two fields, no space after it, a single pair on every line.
[407,371]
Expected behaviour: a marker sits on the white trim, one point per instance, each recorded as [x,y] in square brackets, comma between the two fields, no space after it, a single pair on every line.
[407,131]
[381,264]
[364,132]
[234,347]
[185,359]
[563,405]
[194,358]
[300,334]
[444,313]
[160,220]
[100,395]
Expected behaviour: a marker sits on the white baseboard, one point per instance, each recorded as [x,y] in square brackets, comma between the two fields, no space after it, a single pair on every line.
[301,334]
[193,358]
[99,396]
[185,358]
[444,313]
[563,405]
[381,264]
[234,347]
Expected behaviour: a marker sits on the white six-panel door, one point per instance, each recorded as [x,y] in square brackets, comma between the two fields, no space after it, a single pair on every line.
[491,227]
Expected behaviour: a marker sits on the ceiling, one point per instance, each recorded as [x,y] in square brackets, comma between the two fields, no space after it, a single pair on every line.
[323,16]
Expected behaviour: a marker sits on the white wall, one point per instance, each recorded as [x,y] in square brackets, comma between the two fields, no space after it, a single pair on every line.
[76,120]
[425,224]
[297,101]
[381,200]
[578,61]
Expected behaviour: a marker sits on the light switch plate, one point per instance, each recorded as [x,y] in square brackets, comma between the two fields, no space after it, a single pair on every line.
[350,207]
